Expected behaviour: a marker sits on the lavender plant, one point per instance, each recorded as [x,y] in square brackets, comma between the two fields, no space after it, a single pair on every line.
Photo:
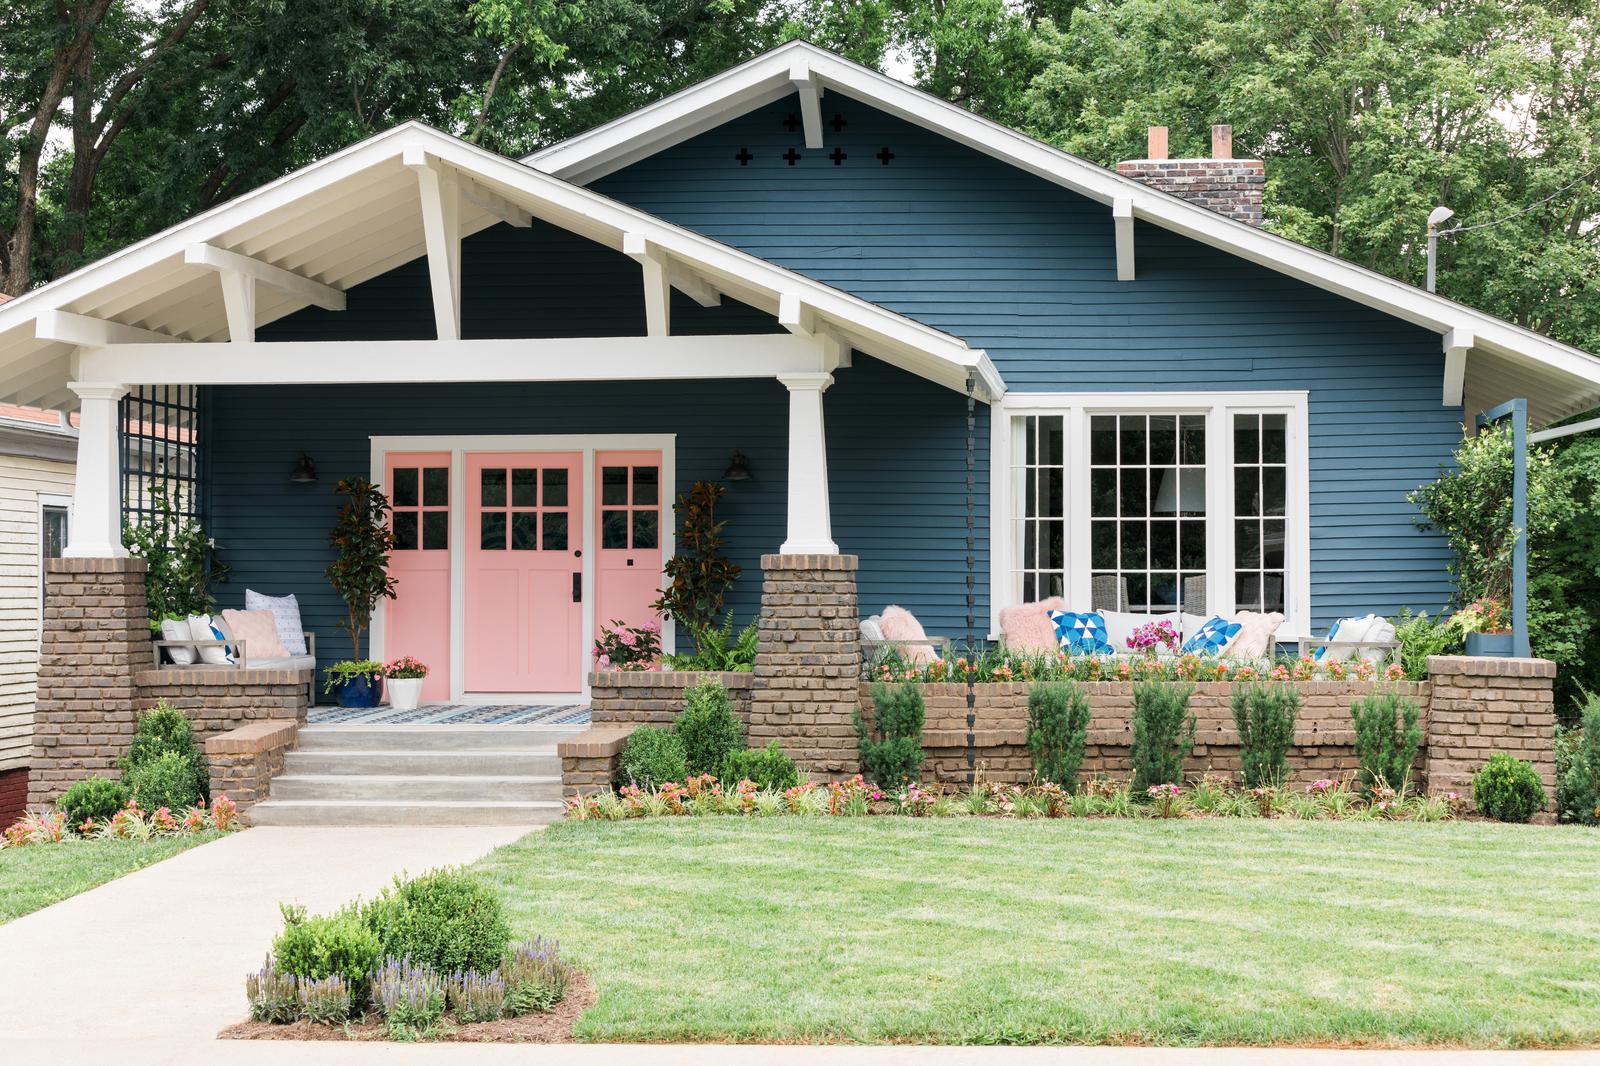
[535,977]
[326,1001]
[411,998]
[273,994]
[476,997]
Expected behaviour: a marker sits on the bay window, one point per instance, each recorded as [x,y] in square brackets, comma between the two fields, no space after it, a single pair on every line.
[1153,502]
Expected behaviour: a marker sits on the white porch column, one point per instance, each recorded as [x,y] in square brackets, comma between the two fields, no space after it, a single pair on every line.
[95,531]
[810,524]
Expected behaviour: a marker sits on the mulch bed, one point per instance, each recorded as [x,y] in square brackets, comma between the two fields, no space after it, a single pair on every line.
[552,1027]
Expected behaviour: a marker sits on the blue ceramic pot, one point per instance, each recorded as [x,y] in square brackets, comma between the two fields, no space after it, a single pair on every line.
[360,692]
[1499,645]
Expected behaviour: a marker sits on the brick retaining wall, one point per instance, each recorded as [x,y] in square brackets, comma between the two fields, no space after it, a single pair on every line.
[219,698]
[655,697]
[244,761]
[13,795]
[1484,705]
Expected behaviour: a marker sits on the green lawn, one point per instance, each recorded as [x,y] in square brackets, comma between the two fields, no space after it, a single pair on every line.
[987,931]
[41,874]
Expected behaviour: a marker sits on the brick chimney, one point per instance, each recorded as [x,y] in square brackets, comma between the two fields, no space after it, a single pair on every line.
[1226,185]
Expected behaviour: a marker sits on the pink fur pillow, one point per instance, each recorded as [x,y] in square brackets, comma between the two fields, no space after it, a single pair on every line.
[900,626]
[1026,628]
[259,633]
[1254,639]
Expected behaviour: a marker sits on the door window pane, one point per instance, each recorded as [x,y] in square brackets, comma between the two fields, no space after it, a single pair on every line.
[646,486]
[405,531]
[644,529]
[405,486]
[555,531]
[524,488]
[436,486]
[493,488]
[614,484]
[555,487]
[492,530]
[613,529]
[524,531]
[435,531]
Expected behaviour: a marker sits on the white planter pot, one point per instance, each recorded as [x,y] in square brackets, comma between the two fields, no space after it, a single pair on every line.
[404,692]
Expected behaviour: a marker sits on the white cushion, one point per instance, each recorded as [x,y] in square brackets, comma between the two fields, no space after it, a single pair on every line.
[285,615]
[1355,630]
[201,627]
[178,629]
[1189,624]
[1121,624]
[871,630]
[293,662]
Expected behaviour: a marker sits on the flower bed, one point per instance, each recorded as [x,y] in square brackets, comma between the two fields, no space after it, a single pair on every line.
[1210,796]
[999,665]
[129,823]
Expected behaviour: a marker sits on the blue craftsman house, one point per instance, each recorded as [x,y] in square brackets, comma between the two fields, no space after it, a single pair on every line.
[793,278]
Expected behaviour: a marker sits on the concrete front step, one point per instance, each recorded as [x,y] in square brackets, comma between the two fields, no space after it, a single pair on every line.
[422,762]
[432,737]
[403,812]
[417,787]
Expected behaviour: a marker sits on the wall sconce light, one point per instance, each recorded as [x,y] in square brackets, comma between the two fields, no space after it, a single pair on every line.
[305,471]
[738,468]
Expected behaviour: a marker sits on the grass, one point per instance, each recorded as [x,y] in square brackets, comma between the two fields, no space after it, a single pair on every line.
[38,875]
[1070,931]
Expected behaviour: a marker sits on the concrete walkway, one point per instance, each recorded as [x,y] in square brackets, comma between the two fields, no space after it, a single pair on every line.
[162,953]
[147,969]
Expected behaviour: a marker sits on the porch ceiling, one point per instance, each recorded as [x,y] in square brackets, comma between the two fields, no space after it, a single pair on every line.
[358,214]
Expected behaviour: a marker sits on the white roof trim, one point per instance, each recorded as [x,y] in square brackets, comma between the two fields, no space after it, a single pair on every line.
[767,78]
[875,330]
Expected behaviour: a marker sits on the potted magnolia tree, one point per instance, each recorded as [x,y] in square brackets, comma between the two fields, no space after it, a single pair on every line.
[359,573]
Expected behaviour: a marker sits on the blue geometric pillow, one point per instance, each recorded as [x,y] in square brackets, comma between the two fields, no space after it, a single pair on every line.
[1212,637]
[1081,634]
[1333,634]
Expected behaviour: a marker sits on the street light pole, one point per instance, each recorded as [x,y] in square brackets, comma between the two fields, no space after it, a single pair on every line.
[1436,217]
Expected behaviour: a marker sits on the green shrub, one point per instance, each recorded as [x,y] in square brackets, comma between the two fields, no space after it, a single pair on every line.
[165,781]
[720,649]
[163,729]
[1058,727]
[93,797]
[446,919]
[1264,716]
[708,728]
[1578,765]
[340,944]
[1163,733]
[650,758]
[1387,738]
[1508,789]
[891,747]
[768,767]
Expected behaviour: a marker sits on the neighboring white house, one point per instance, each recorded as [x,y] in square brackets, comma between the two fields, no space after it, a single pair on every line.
[38,451]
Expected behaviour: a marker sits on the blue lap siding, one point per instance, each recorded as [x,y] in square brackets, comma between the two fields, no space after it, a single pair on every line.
[896,442]
[1026,270]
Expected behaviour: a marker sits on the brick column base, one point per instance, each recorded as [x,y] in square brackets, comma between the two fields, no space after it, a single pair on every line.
[808,661]
[96,634]
[244,761]
[1481,705]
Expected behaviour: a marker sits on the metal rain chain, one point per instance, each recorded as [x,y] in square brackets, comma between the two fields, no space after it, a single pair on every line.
[972,599]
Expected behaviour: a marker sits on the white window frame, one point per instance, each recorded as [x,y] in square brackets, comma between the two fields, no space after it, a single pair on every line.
[1219,409]
[53,501]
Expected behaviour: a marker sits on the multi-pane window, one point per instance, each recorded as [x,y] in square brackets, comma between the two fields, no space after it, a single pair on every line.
[630,507]
[1039,526]
[52,543]
[421,508]
[528,503]
[1260,507]
[160,453]
[1147,511]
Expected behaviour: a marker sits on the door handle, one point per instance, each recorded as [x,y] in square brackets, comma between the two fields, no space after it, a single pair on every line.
[577,587]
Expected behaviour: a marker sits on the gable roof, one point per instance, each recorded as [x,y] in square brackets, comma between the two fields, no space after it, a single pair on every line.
[356,214]
[1505,359]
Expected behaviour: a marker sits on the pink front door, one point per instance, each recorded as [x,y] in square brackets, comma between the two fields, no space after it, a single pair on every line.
[628,505]
[418,619]
[524,606]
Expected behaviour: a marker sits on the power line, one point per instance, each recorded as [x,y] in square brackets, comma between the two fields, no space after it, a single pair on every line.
[1515,214]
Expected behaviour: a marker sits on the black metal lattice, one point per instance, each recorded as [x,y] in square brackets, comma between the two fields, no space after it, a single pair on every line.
[160,451]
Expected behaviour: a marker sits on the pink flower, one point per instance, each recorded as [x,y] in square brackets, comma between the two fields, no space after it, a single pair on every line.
[626,638]
[652,626]
[604,662]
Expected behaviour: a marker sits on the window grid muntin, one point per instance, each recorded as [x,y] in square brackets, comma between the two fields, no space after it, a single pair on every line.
[1260,479]
[1039,530]
[419,506]
[630,502]
[159,452]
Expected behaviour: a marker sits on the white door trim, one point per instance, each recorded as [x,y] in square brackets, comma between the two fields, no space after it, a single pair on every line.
[587,444]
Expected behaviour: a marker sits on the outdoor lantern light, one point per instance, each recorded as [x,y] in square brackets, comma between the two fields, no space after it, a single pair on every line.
[738,468]
[305,471]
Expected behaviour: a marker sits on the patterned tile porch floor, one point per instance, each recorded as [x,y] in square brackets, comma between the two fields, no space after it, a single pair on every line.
[453,714]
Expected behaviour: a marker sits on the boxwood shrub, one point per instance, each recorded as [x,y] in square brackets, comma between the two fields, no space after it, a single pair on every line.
[93,797]
[446,919]
[1508,789]
[650,758]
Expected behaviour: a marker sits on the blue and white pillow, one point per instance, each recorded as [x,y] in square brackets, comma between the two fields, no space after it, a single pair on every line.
[1211,637]
[1081,634]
